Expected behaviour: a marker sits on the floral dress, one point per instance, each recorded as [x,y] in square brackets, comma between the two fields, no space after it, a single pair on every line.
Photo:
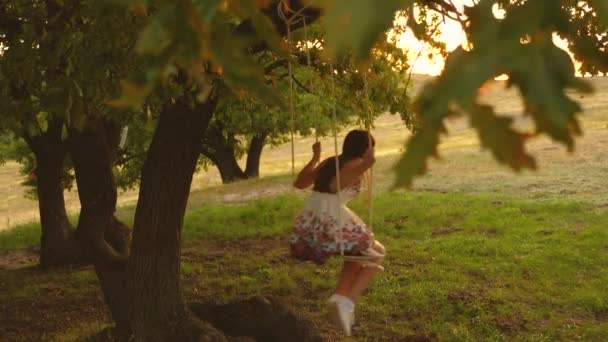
[325,225]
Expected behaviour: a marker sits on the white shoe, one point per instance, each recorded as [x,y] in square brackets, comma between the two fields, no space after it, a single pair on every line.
[338,298]
[340,312]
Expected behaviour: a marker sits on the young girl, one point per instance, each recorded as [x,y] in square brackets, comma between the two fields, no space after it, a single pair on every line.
[326,227]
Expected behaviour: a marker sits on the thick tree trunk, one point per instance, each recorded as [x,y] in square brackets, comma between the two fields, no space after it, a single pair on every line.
[58,245]
[252,169]
[157,311]
[104,238]
[222,153]
[229,168]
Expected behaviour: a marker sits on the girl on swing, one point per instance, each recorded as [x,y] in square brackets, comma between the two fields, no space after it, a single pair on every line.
[326,226]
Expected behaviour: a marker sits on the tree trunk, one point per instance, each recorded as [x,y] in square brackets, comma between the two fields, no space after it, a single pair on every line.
[58,245]
[222,153]
[252,170]
[104,238]
[157,311]
[229,168]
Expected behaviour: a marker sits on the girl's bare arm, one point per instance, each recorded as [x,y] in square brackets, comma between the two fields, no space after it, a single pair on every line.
[307,176]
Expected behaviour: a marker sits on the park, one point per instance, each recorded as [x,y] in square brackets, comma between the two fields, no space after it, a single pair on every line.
[155,170]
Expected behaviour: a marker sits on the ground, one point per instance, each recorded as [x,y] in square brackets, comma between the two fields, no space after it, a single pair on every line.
[475,251]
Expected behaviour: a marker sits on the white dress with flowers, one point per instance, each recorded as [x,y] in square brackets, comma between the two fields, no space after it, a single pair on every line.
[325,225]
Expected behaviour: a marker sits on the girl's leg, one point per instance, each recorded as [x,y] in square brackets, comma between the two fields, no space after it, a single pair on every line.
[341,307]
[353,280]
[365,274]
[349,273]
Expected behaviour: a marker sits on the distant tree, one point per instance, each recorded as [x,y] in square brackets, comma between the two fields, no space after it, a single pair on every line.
[61,62]
[242,125]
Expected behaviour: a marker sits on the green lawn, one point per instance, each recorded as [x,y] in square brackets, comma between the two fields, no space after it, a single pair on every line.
[461,267]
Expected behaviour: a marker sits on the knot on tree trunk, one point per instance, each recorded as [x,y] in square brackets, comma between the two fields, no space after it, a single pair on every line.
[110,243]
[258,319]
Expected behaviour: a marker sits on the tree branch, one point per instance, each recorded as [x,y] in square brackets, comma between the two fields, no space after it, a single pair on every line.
[444,7]
[274,65]
[299,58]
[311,14]
[301,85]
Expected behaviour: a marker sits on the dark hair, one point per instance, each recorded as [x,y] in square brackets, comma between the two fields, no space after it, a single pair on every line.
[354,146]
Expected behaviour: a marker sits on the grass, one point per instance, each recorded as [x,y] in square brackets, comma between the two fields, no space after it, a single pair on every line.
[28,234]
[461,267]
[22,236]
[62,305]
[220,221]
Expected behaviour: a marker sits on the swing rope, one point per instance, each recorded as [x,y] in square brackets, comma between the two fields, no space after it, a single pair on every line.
[291,106]
[294,17]
[369,260]
[283,10]
[369,175]
[337,159]
[311,83]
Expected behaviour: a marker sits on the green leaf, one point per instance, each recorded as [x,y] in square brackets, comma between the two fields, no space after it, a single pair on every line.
[133,95]
[32,129]
[464,73]
[42,120]
[158,35]
[266,30]
[496,134]
[356,25]
[240,69]
[483,26]
[419,148]
[206,9]
[542,81]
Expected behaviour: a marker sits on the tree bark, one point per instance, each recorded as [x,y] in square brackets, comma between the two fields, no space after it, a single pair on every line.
[58,245]
[226,163]
[222,153]
[103,237]
[157,311]
[252,169]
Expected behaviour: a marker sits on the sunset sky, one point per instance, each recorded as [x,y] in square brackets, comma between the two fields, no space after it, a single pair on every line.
[452,35]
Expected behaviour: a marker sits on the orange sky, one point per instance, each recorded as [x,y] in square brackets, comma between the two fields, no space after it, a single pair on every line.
[452,35]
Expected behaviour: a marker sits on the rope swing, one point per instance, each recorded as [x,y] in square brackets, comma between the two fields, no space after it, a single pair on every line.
[295,17]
